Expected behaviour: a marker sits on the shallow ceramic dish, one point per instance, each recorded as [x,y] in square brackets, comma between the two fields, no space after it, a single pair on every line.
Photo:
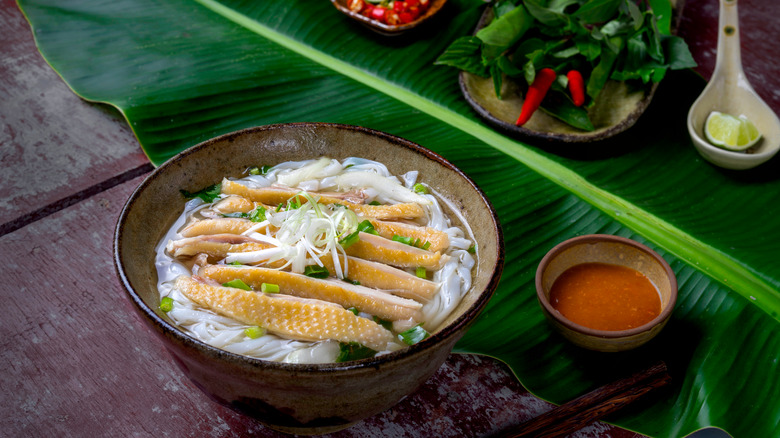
[386,29]
[617,108]
[615,250]
[298,398]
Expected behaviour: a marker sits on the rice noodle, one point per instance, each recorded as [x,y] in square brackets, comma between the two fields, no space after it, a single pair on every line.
[299,241]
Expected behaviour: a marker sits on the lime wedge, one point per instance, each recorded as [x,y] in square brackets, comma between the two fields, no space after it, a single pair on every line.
[729,132]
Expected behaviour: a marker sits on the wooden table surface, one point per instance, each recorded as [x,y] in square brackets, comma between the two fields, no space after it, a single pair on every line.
[76,361]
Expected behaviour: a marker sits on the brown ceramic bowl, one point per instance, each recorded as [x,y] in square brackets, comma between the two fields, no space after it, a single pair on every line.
[602,248]
[299,398]
[386,29]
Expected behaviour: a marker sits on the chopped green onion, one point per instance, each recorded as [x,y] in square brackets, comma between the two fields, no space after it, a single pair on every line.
[279,208]
[374,203]
[353,351]
[262,170]
[383,322]
[257,215]
[336,204]
[237,283]
[354,310]
[403,239]
[413,335]
[426,245]
[349,240]
[166,304]
[237,214]
[269,288]
[294,203]
[254,332]
[209,194]
[236,263]
[421,272]
[316,271]
[367,227]
[419,188]
[473,248]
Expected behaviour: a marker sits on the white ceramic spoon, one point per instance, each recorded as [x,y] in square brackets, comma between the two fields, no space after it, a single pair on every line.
[729,91]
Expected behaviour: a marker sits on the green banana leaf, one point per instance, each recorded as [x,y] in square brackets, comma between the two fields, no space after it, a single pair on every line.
[183,71]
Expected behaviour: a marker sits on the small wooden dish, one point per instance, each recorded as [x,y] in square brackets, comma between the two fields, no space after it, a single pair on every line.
[603,248]
[386,29]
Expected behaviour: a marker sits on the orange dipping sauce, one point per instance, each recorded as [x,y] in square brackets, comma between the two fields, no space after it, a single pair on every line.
[605,297]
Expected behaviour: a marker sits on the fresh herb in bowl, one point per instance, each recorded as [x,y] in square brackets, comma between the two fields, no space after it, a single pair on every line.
[581,44]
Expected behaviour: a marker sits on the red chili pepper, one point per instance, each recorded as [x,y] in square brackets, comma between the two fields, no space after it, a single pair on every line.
[536,92]
[576,87]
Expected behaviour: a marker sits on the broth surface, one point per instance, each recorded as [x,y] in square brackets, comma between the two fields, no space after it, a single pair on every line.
[605,297]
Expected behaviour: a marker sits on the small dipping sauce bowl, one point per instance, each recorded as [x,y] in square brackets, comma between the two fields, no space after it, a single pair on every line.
[613,250]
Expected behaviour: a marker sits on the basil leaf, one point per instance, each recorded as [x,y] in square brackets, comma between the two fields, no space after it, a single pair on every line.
[546,16]
[564,110]
[632,10]
[560,5]
[497,75]
[464,54]
[677,53]
[502,7]
[588,48]
[662,9]
[507,29]
[601,73]
[509,68]
[597,11]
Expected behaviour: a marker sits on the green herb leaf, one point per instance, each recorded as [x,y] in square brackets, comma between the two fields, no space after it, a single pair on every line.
[506,30]
[354,310]
[316,271]
[413,335]
[208,195]
[562,108]
[546,16]
[353,351]
[237,283]
[464,54]
[597,11]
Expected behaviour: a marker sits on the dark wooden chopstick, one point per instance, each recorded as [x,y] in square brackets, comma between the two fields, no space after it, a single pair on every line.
[594,405]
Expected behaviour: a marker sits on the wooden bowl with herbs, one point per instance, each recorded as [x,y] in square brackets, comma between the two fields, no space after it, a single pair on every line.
[590,68]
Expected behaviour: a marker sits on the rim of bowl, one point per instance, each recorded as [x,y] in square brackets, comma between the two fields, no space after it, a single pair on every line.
[594,238]
[167,329]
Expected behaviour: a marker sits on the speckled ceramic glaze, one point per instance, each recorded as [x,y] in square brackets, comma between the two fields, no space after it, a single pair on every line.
[386,29]
[297,398]
[615,250]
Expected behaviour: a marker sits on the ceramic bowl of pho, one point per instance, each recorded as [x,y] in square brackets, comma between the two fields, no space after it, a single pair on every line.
[308,275]
[606,293]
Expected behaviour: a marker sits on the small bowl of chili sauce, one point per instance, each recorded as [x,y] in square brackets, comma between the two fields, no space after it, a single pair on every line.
[390,17]
[606,293]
